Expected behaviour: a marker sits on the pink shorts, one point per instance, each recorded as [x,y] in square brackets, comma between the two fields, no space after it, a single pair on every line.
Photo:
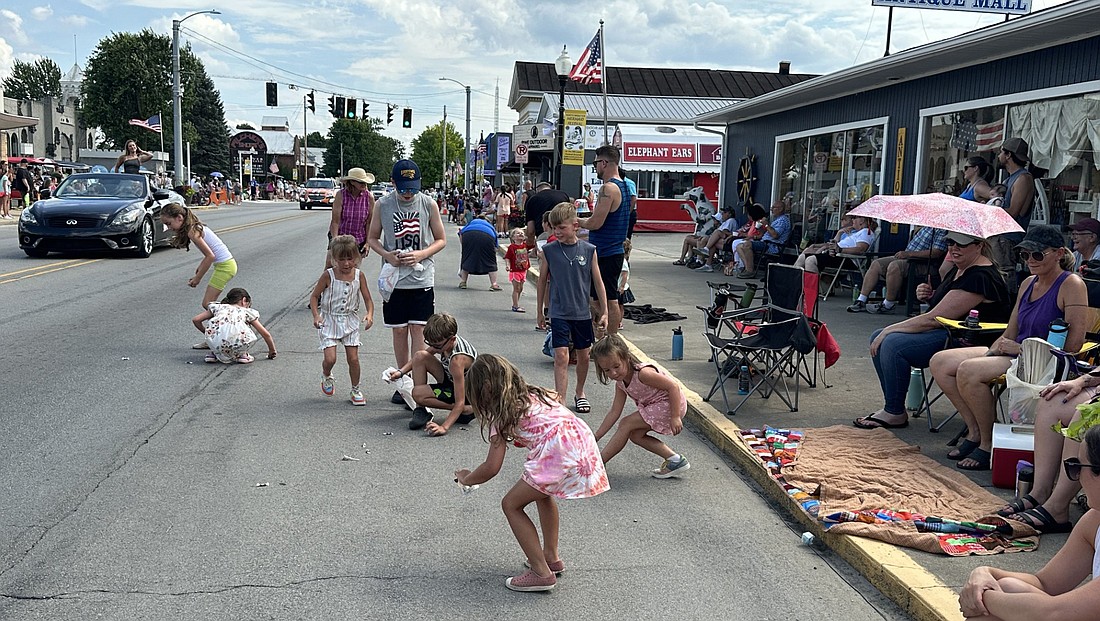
[517,276]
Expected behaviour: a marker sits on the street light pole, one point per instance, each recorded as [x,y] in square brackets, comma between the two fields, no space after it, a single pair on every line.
[562,65]
[466,165]
[177,122]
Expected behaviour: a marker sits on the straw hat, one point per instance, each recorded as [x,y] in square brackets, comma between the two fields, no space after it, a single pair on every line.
[360,175]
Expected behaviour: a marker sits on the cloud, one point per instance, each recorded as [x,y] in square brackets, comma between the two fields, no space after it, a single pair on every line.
[75,21]
[11,27]
[7,59]
[42,13]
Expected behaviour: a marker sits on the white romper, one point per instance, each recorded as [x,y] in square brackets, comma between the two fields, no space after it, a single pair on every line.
[340,312]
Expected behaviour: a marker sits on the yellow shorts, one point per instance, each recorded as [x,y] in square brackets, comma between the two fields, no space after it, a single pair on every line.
[223,272]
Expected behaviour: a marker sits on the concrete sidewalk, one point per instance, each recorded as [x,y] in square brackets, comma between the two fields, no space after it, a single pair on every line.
[925,585]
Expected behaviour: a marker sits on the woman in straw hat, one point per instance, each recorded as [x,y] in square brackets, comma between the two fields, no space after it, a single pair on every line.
[351,209]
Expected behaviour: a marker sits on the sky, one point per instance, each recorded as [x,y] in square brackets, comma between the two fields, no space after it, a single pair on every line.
[395,51]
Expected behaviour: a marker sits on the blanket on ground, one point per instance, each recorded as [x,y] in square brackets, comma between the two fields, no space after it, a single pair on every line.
[853,470]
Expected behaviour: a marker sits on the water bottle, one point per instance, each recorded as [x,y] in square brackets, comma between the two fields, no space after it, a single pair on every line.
[1057,334]
[813,541]
[1025,476]
[972,320]
[743,381]
[915,395]
[678,343]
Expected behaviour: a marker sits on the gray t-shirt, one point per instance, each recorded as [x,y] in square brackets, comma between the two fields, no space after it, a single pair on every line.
[570,279]
[408,227]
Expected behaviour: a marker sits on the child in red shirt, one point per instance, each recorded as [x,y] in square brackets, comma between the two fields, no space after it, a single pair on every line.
[518,263]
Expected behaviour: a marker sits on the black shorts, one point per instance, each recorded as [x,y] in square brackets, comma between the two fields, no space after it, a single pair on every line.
[575,331]
[444,391]
[407,306]
[610,270]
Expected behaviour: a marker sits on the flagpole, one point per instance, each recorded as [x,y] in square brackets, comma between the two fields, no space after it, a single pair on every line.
[603,82]
[161,132]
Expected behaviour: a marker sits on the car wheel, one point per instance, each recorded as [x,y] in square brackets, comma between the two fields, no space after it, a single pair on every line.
[36,253]
[302,206]
[309,207]
[147,239]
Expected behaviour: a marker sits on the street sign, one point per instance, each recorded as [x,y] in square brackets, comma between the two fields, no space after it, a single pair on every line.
[521,153]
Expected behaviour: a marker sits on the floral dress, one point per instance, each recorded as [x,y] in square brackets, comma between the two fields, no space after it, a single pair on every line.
[563,459]
[228,333]
[653,404]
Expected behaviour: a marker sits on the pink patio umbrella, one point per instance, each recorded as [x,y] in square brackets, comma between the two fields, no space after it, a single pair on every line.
[941,211]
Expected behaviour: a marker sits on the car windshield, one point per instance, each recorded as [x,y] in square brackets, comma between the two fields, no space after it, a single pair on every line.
[102,186]
[321,183]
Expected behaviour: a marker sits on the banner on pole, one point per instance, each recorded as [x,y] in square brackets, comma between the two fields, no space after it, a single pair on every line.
[1002,7]
[573,145]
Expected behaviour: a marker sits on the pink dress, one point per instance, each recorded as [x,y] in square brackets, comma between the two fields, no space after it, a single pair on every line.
[653,404]
[563,459]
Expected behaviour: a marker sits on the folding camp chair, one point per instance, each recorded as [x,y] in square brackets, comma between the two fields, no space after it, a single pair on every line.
[769,342]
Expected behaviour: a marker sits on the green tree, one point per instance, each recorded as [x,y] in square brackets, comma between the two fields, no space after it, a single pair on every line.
[33,81]
[245,126]
[129,76]
[427,152]
[363,146]
[316,140]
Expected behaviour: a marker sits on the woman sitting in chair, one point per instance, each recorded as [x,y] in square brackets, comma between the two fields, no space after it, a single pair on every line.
[1059,590]
[855,238]
[964,374]
[973,283]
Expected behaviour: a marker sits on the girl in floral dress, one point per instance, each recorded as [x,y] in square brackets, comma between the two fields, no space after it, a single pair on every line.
[661,405]
[231,329]
[563,461]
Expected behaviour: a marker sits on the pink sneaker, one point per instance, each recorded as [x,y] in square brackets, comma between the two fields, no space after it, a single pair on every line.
[530,581]
[557,566]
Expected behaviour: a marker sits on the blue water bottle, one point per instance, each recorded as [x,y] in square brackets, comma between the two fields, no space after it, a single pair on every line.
[915,395]
[678,343]
[744,381]
[1057,334]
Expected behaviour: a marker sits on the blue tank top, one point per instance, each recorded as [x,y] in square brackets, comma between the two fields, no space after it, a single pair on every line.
[968,193]
[1033,318]
[609,238]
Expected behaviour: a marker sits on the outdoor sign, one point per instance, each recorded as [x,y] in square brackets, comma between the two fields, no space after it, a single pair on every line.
[531,135]
[665,153]
[521,153]
[1004,7]
[504,150]
[593,136]
[710,154]
[573,145]
[900,161]
[248,166]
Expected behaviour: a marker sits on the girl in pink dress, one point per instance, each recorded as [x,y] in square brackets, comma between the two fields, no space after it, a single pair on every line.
[563,461]
[661,405]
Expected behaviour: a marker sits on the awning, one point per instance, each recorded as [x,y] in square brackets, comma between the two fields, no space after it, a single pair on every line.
[14,121]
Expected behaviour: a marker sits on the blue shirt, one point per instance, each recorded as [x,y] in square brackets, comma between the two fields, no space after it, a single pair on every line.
[782,226]
[609,238]
[927,238]
[479,224]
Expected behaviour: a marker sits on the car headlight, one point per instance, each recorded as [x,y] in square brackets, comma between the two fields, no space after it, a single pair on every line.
[125,219]
[27,217]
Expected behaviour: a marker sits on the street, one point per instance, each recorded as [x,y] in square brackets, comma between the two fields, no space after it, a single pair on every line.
[140,483]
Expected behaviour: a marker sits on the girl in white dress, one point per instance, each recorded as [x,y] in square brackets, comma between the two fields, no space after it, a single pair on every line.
[231,328]
[335,306]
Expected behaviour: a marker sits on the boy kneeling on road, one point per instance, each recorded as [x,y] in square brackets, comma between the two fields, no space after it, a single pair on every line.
[455,355]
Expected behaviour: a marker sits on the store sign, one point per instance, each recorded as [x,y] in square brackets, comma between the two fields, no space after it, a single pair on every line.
[710,154]
[504,150]
[1003,7]
[532,136]
[594,136]
[665,153]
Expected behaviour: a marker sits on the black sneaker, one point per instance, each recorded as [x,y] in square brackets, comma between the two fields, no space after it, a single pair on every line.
[466,419]
[882,310]
[421,417]
[858,307]
[397,398]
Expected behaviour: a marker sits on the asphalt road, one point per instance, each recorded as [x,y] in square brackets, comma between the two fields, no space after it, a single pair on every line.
[139,483]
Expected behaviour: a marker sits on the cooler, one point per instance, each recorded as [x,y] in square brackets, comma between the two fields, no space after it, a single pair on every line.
[1011,443]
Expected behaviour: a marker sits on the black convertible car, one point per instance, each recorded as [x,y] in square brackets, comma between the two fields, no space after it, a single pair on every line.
[97,211]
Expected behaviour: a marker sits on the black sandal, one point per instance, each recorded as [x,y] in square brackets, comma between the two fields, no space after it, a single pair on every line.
[965,448]
[1041,520]
[980,457]
[1018,505]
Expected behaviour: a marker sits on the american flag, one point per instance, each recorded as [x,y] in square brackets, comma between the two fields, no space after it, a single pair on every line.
[406,224]
[152,123]
[589,67]
[971,136]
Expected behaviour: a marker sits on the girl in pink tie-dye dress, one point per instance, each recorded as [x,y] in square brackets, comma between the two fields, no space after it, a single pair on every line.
[563,460]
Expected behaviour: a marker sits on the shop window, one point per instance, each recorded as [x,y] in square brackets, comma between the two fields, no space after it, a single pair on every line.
[957,136]
[644,180]
[674,185]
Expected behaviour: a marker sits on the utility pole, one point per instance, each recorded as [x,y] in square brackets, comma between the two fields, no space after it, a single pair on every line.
[305,141]
[444,132]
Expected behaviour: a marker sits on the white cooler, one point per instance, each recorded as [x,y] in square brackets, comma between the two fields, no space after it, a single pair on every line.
[1011,443]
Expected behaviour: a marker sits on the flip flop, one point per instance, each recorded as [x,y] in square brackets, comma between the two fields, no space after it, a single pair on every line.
[1017,505]
[495,288]
[679,262]
[965,448]
[1041,520]
[980,457]
[582,405]
[870,422]
[518,309]
[245,359]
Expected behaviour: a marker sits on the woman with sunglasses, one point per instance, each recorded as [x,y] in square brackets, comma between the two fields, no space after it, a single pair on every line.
[1058,590]
[977,172]
[964,374]
[972,283]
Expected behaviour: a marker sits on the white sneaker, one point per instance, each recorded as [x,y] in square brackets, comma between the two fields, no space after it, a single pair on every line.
[357,397]
[669,469]
[328,385]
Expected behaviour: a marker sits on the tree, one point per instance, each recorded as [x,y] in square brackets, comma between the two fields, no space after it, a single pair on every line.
[427,152]
[245,126]
[316,140]
[33,81]
[363,146]
[129,76]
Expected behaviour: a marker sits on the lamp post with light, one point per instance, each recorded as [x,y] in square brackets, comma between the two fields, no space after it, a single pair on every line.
[177,122]
[562,65]
[466,158]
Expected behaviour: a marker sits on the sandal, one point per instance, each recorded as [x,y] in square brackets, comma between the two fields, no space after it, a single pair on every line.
[729,269]
[1041,520]
[965,448]
[518,309]
[245,359]
[1019,504]
[679,262]
[211,357]
[462,285]
[870,422]
[495,288]
[980,457]
[582,405]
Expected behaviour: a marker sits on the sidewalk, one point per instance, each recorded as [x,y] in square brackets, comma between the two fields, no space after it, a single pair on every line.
[925,585]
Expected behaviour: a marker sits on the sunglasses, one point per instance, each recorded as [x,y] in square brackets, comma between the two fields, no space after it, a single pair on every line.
[1073,467]
[968,167]
[436,345]
[1034,255]
[951,242]
[406,192]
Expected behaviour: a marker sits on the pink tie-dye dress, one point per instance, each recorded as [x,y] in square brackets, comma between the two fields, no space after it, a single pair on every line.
[563,459]
[653,404]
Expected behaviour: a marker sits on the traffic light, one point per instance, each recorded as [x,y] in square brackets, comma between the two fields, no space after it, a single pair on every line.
[332,105]
[338,110]
[389,113]
[272,94]
[407,118]
[310,103]
[352,108]
[366,111]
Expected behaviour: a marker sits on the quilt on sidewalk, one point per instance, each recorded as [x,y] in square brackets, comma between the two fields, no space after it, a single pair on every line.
[869,483]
